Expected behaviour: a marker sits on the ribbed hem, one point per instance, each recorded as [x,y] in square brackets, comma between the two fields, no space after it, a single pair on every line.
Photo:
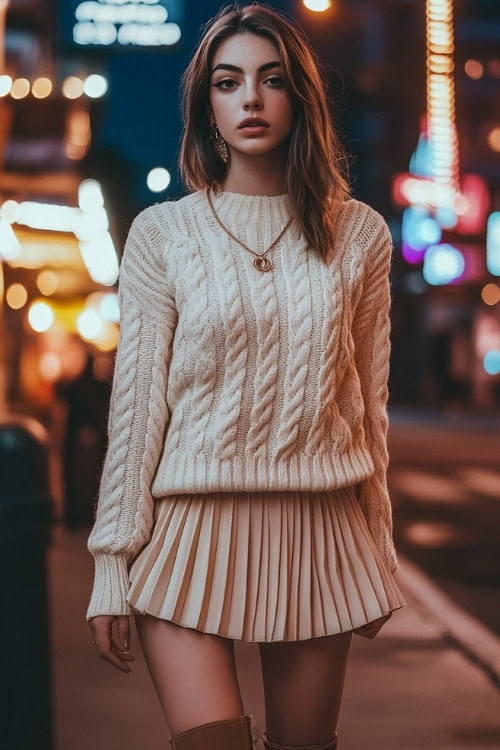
[111,585]
[181,472]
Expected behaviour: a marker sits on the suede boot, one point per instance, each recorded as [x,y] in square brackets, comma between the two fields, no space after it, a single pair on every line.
[238,733]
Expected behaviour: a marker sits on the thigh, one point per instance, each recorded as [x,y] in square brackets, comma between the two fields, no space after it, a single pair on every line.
[303,685]
[194,673]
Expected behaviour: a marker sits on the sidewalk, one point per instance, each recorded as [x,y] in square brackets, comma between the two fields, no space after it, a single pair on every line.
[407,688]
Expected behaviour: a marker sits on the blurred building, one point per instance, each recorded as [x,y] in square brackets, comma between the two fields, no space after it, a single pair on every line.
[89,135]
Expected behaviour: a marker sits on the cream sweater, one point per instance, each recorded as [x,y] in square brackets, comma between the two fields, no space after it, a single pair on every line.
[229,378]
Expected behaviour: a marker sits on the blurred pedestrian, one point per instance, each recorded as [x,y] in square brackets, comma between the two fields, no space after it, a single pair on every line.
[86,398]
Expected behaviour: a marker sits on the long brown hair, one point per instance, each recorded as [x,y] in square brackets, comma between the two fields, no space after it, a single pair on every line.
[316,171]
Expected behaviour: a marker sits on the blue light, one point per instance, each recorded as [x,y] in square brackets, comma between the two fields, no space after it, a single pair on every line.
[442,264]
[419,228]
[421,161]
[491,361]
[446,217]
[493,243]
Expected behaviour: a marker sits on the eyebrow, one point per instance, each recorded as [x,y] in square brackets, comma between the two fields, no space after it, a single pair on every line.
[236,69]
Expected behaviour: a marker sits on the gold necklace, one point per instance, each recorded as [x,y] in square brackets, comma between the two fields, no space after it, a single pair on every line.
[260,263]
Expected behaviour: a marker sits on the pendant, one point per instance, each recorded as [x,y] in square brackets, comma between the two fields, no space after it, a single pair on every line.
[262,264]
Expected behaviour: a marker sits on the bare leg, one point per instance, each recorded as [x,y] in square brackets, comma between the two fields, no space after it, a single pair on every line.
[194,673]
[303,685]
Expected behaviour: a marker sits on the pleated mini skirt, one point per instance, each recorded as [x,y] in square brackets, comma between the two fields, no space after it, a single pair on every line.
[262,566]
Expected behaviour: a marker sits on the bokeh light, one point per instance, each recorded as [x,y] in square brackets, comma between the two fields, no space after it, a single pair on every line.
[158,179]
[16,296]
[41,88]
[490,294]
[95,86]
[40,316]
[474,69]
[47,282]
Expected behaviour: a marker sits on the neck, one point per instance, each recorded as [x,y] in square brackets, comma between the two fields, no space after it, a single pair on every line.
[255,174]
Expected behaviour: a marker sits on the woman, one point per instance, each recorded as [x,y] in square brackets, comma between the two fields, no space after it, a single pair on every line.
[244,491]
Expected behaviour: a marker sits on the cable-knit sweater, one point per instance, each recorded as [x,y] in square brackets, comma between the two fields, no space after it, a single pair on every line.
[229,378]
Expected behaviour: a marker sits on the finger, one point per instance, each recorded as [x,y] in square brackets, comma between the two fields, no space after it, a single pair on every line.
[120,651]
[124,632]
[103,640]
[117,660]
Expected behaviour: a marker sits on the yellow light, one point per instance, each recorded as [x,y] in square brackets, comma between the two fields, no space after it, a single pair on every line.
[16,296]
[47,282]
[40,316]
[20,88]
[490,294]
[89,324]
[441,100]
[108,338]
[41,88]
[72,87]
[77,139]
[494,139]
[318,6]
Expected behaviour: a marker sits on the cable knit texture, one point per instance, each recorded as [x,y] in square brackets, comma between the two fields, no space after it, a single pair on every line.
[228,378]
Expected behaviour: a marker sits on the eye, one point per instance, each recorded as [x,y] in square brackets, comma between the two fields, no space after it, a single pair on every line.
[224,80]
[220,83]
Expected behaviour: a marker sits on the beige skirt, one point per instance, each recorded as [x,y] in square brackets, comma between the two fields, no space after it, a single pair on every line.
[262,566]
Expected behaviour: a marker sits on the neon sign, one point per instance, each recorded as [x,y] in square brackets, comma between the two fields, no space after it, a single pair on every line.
[143,23]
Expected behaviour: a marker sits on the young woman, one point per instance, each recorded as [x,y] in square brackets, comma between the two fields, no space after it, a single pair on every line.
[244,493]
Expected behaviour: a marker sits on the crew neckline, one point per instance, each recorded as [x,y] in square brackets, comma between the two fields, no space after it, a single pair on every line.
[240,209]
[248,195]
[244,195]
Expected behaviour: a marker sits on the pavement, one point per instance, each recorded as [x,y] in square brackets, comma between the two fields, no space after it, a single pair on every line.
[414,685]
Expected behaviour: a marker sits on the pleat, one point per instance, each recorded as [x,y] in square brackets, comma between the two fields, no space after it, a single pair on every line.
[262,566]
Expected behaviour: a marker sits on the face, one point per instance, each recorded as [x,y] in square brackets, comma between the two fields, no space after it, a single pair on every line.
[239,89]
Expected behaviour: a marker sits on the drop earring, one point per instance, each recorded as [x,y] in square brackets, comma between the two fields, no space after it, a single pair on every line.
[219,143]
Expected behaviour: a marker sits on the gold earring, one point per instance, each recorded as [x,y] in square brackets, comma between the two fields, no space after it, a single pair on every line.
[219,143]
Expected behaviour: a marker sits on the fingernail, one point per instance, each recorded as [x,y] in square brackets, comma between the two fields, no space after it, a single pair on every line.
[126,645]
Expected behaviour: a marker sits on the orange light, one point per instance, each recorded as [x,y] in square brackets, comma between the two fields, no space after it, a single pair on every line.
[490,294]
[474,69]
[494,139]
[16,296]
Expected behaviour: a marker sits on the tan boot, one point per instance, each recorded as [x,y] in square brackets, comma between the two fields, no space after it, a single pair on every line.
[331,745]
[227,734]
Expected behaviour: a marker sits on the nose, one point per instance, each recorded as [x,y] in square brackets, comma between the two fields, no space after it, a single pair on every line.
[252,98]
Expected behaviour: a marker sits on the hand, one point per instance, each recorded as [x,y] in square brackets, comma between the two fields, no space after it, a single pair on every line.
[117,654]
[371,629]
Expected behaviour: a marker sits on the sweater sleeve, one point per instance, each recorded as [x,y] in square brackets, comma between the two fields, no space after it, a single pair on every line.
[371,335]
[138,413]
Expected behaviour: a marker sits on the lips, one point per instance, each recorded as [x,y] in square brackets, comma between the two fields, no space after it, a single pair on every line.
[252,122]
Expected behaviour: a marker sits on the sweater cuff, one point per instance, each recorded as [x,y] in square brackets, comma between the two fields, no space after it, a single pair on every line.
[111,585]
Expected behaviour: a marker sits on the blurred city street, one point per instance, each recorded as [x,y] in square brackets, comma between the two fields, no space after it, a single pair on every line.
[410,687]
[91,130]
[431,676]
[444,480]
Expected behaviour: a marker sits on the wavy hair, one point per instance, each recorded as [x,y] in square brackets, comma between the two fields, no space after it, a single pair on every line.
[316,173]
